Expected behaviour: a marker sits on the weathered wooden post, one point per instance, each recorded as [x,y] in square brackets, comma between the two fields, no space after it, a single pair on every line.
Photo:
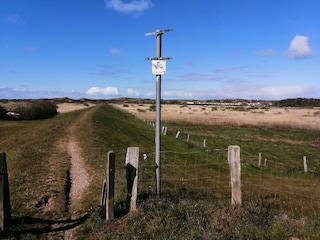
[305,166]
[204,143]
[235,174]
[188,137]
[107,200]
[164,130]
[5,208]
[259,161]
[178,133]
[132,164]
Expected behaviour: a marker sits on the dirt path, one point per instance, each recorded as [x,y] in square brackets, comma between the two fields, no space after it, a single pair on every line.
[79,180]
[78,176]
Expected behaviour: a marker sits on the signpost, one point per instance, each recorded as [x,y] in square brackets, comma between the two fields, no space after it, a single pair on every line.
[158,69]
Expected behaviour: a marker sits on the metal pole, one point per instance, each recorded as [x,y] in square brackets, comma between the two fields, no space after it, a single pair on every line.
[158,34]
[158,136]
[158,118]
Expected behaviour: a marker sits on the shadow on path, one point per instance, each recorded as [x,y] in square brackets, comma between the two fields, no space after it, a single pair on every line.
[37,226]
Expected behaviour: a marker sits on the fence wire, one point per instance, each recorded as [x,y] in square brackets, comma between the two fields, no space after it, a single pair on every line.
[205,174]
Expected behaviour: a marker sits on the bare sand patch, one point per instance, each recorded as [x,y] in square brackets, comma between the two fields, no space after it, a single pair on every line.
[294,117]
[68,107]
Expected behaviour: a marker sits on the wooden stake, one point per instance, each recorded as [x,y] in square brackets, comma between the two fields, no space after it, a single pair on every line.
[5,208]
[235,174]
[132,164]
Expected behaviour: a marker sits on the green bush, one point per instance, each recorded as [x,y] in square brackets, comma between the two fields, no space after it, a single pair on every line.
[152,108]
[35,110]
[3,113]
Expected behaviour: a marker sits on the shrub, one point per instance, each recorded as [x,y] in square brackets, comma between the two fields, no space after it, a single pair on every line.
[239,109]
[316,113]
[152,108]
[3,113]
[35,110]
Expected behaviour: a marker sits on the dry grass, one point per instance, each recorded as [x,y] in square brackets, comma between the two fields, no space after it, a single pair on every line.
[294,117]
[68,107]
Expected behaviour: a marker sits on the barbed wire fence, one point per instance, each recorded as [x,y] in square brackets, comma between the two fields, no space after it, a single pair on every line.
[205,174]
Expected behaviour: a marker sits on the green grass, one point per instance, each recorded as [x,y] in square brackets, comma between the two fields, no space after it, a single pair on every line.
[187,209]
[37,168]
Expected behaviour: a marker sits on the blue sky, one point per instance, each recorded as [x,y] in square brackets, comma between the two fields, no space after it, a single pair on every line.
[266,49]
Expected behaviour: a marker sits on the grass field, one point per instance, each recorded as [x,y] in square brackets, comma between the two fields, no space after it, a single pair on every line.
[38,165]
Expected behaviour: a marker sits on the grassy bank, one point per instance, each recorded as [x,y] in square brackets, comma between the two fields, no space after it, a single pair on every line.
[38,166]
[185,213]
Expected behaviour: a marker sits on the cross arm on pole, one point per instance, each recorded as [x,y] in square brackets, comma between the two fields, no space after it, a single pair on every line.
[157,32]
[160,58]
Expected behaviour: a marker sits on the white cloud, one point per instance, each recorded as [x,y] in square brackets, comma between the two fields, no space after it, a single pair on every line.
[150,93]
[14,19]
[284,91]
[177,93]
[115,51]
[30,49]
[102,91]
[24,93]
[299,48]
[242,89]
[134,6]
[132,92]
[264,52]
[199,77]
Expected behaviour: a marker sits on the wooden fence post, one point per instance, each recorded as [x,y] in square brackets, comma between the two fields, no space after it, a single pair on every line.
[259,161]
[164,130]
[132,165]
[107,200]
[178,133]
[204,143]
[5,208]
[235,174]
[305,166]
[188,137]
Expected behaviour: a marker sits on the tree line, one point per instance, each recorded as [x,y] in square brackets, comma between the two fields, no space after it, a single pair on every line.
[298,102]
